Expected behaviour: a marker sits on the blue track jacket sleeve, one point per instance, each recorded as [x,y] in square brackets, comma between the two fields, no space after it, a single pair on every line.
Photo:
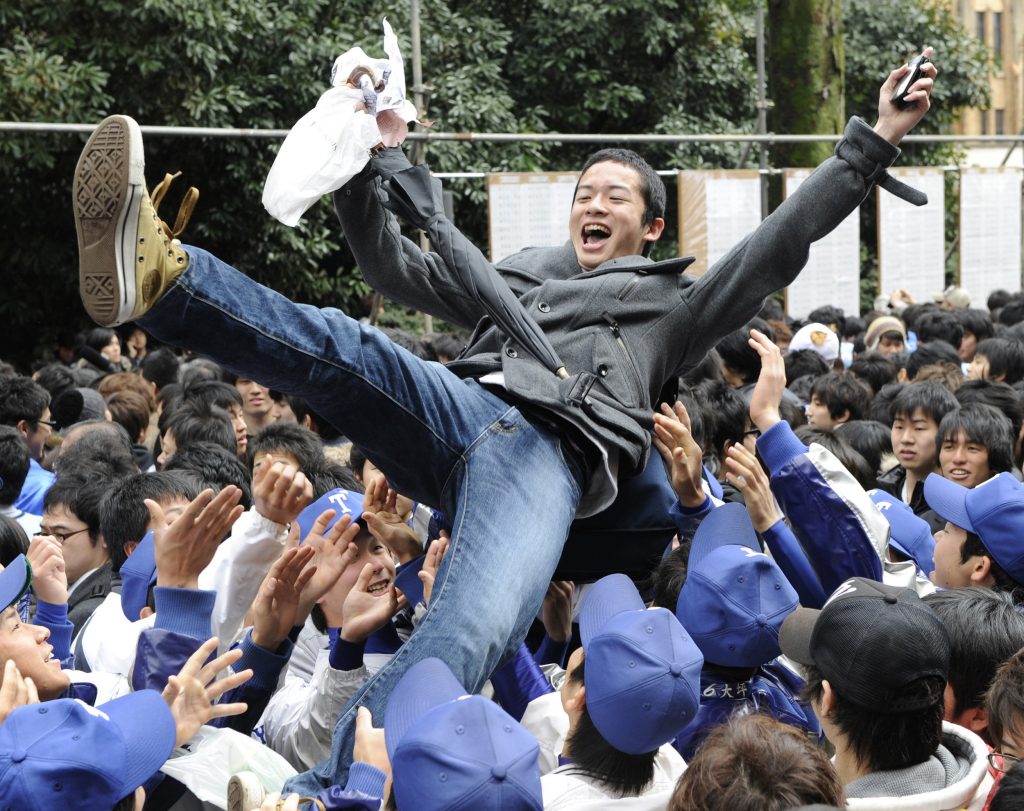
[518,682]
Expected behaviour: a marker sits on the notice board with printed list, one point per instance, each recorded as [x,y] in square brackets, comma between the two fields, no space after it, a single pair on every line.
[911,239]
[990,231]
[717,209]
[528,210]
[832,273]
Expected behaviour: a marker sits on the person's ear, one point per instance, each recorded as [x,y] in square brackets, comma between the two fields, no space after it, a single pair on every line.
[654,229]
[981,571]
[578,700]
[828,699]
[975,719]
[902,376]
[844,417]
[999,378]
[22,426]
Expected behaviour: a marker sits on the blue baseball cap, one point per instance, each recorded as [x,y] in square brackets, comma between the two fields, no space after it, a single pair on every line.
[138,573]
[992,510]
[343,502]
[454,751]
[15,579]
[66,754]
[642,669]
[735,597]
[909,534]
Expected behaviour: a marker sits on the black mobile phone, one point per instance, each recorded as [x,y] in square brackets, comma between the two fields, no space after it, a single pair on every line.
[912,75]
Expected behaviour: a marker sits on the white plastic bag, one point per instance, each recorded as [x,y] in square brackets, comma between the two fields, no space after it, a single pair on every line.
[331,143]
[205,764]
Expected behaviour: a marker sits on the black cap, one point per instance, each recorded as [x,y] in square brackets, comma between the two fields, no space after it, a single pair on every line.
[871,642]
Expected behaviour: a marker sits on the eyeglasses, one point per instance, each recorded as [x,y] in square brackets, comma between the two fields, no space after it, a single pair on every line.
[60,536]
[52,425]
[754,432]
[1000,762]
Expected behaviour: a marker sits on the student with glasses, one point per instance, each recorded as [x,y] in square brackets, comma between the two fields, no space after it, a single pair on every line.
[25,405]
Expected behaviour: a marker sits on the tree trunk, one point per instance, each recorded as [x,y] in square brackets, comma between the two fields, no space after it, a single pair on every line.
[805,76]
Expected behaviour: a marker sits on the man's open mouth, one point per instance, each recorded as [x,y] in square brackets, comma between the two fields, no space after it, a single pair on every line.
[379,587]
[595,234]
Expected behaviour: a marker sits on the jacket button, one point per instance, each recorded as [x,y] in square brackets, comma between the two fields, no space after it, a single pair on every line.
[511,352]
[602,370]
[544,307]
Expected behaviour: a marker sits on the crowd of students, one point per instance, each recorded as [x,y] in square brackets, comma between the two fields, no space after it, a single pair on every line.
[316,567]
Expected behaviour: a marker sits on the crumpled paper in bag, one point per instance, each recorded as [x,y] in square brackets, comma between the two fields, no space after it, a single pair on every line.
[331,143]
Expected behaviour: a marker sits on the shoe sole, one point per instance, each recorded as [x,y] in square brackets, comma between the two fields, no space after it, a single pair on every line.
[107,194]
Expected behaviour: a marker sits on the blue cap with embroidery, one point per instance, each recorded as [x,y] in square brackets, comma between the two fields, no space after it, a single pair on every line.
[343,502]
[911,535]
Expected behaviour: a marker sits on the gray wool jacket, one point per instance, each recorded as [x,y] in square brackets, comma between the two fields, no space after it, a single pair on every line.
[624,329]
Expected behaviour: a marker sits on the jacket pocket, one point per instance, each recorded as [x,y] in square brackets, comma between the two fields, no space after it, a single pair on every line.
[616,372]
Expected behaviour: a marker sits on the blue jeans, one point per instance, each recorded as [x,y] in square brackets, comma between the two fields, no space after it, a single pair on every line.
[505,481]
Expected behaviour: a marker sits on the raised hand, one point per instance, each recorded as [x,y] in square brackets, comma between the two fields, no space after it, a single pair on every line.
[370,746]
[183,548]
[771,382]
[191,695]
[745,473]
[49,576]
[556,611]
[275,609]
[363,611]
[893,122]
[432,562]
[335,550]
[15,690]
[387,521]
[682,454]
[280,491]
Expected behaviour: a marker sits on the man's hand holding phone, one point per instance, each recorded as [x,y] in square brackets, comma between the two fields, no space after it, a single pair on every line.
[906,97]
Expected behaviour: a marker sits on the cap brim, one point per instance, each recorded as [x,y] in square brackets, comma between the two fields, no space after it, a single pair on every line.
[948,500]
[795,635]
[149,731]
[728,525]
[14,581]
[427,684]
[608,597]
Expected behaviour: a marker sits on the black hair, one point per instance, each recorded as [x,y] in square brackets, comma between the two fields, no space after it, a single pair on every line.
[934,400]
[1005,357]
[801,388]
[317,424]
[976,322]
[793,413]
[875,369]
[872,440]
[13,540]
[101,447]
[197,421]
[984,425]
[736,353]
[98,337]
[55,378]
[1012,312]
[356,461]
[14,464]
[940,325]
[126,803]
[666,581]
[725,414]
[997,299]
[912,313]
[698,425]
[771,310]
[883,741]
[880,409]
[300,442]
[855,464]
[973,547]
[214,467]
[929,353]
[330,476]
[21,398]
[985,629]
[197,369]
[123,513]
[832,317]
[624,774]
[445,344]
[129,410]
[652,187]
[407,341]
[212,392]
[710,368]
[804,362]
[1001,396]
[842,393]
[81,496]
[1010,796]
[854,328]
[160,367]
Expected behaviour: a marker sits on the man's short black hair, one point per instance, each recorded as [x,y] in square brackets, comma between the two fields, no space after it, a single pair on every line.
[214,467]
[123,513]
[300,442]
[668,577]
[977,322]
[212,392]
[1013,311]
[850,458]
[934,400]
[842,393]
[940,325]
[985,629]
[911,314]
[875,369]
[804,362]
[725,414]
[973,547]
[55,378]
[929,353]
[160,367]
[21,398]
[736,353]
[983,425]
[14,464]
[80,496]
[997,299]
[886,741]
[871,439]
[1000,396]
[99,446]
[830,316]
[13,540]
[198,421]
[1004,357]
[880,409]
[651,185]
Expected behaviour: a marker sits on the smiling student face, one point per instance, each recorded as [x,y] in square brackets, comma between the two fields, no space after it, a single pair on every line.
[606,220]
[27,645]
[964,461]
